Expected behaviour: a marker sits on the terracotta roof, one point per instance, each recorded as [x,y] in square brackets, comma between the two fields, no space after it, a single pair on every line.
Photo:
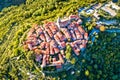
[42,37]
[78,34]
[56,50]
[86,36]
[50,41]
[39,31]
[82,31]
[43,61]
[66,33]
[73,17]
[52,52]
[71,26]
[57,39]
[61,58]
[53,43]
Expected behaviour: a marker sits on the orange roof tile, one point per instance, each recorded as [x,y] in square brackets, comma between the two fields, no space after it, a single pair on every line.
[42,37]
[48,39]
[53,43]
[57,39]
[61,58]
[52,50]
[73,17]
[56,50]
[82,31]
[66,33]
[86,36]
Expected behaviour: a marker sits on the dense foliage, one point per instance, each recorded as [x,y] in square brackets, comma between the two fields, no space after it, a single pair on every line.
[101,60]
[7,3]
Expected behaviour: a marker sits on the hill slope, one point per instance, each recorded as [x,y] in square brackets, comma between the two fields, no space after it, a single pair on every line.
[15,22]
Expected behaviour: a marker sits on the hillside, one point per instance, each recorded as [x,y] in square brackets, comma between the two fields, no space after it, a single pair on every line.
[16,63]
[7,3]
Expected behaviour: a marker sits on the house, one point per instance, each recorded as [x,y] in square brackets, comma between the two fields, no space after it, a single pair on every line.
[86,36]
[52,52]
[32,37]
[30,46]
[35,26]
[84,42]
[47,59]
[63,53]
[49,31]
[39,31]
[81,30]
[39,51]
[62,23]
[74,45]
[43,61]
[47,48]
[56,50]
[82,47]
[62,45]
[71,26]
[96,15]
[114,6]
[61,58]
[73,35]
[78,42]
[73,17]
[109,10]
[42,45]
[56,63]
[57,39]
[97,6]
[76,51]
[79,21]
[66,33]
[42,37]
[78,34]
[53,43]
[61,36]
[48,39]
[53,59]
[52,27]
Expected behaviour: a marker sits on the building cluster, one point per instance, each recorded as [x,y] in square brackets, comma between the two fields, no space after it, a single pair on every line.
[110,8]
[49,41]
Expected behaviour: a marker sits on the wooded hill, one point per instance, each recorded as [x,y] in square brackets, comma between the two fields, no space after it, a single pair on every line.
[15,63]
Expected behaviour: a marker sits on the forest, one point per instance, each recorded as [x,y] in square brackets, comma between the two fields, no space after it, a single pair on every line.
[102,60]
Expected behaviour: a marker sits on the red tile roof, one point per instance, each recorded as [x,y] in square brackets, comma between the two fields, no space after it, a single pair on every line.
[50,41]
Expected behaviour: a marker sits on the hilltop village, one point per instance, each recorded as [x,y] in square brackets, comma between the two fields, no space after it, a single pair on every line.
[50,40]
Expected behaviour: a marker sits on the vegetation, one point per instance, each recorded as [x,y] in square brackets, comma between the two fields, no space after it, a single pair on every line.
[101,60]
